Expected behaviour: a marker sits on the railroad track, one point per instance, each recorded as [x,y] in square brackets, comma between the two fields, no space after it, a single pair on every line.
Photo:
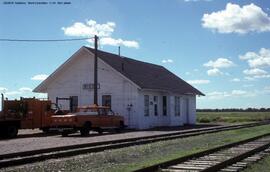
[20,158]
[228,158]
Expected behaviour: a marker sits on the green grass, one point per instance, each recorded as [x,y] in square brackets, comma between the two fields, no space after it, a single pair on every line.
[135,157]
[261,166]
[231,117]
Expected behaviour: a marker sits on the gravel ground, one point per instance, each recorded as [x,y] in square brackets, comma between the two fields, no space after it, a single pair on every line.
[134,157]
[35,139]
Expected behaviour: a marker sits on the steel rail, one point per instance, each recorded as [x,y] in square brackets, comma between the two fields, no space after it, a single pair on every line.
[165,166]
[20,158]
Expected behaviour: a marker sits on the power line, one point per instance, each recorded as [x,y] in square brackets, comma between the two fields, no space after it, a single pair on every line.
[43,40]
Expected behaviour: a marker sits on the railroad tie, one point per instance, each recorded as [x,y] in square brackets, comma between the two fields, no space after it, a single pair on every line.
[224,157]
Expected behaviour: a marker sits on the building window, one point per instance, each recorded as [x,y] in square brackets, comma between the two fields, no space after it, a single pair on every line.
[73,103]
[164,105]
[177,105]
[107,100]
[156,105]
[146,105]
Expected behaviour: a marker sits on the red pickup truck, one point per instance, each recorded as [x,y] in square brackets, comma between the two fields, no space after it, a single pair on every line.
[86,118]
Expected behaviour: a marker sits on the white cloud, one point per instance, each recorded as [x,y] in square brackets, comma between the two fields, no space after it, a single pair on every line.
[254,72]
[25,89]
[216,65]
[167,61]
[118,42]
[198,82]
[235,80]
[214,72]
[23,92]
[233,93]
[3,89]
[248,56]
[257,61]
[262,76]
[90,28]
[12,93]
[39,77]
[20,91]
[104,31]
[261,59]
[217,95]
[236,19]
[219,63]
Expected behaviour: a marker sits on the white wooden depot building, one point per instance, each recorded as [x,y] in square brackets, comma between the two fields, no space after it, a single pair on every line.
[147,95]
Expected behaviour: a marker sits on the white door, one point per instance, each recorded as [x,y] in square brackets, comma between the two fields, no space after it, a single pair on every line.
[128,106]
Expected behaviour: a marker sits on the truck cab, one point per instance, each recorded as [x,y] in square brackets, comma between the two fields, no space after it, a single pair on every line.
[86,118]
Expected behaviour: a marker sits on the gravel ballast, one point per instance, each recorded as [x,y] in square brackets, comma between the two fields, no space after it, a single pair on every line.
[35,140]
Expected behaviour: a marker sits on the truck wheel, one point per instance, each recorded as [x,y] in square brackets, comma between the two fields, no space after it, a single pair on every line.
[121,127]
[2,133]
[85,129]
[84,132]
[99,130]
[45,130]
[11,131]
[64,134]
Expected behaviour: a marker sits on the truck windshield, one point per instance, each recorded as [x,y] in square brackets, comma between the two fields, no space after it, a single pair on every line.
[54,106]
[110,112]
[103,111]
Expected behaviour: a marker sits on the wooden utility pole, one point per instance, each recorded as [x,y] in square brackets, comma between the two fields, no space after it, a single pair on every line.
[95,72]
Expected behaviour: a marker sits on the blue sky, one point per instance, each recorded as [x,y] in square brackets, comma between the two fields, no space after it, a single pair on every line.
[220,47]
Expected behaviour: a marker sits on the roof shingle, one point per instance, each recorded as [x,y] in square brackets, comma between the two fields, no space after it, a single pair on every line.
[147,75]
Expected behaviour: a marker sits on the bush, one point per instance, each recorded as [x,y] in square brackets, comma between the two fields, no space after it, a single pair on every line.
[204,120]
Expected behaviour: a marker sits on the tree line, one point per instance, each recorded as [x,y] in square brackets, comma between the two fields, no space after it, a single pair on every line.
[235,110]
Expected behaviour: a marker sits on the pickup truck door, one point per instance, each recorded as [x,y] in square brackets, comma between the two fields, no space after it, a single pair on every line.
[106,121]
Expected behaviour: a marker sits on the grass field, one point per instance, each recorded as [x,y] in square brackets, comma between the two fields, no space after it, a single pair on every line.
[131,158]
[231,117]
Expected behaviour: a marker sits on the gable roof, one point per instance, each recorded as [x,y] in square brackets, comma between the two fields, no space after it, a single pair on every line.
[147,75]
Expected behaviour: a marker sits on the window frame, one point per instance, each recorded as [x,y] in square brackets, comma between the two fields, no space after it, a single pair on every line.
[146,105]
[104,99]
